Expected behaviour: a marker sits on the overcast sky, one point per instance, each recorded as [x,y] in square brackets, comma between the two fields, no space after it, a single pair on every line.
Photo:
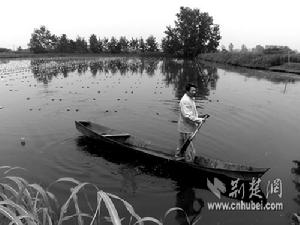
[249,22]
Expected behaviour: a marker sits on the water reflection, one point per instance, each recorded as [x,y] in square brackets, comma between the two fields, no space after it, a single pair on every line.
[128,184]
[275,77]
[180,72]
[191,204]
[4,61]
[176,72]
[132,166]
[296,181]
[45,69]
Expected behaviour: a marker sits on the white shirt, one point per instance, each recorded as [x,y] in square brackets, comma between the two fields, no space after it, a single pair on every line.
[188,115]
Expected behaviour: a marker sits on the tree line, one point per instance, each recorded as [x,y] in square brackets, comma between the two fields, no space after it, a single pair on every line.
[194,33]
[259,49]
[42,41]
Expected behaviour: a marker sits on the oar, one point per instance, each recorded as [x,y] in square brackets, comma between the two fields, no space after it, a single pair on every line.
[190,138]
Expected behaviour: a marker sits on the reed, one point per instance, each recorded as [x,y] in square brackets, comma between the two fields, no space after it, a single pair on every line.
[24,203]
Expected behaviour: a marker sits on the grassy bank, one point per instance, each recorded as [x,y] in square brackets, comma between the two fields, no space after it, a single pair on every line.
[12,55]
[274,62]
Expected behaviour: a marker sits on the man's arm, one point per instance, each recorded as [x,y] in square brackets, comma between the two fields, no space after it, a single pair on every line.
[187,112]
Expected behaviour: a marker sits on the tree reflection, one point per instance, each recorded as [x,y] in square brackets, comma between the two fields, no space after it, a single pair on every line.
[128,183]
[45,69]
[4,61]
[190,203]
[180,72]
[275,77]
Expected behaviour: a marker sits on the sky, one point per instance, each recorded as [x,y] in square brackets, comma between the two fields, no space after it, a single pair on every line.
[249,22]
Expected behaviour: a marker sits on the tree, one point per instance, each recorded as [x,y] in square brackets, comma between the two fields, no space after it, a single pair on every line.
[72,46]
[244,48]
[123,44]
[171,43]
[81,45]
[42,41]
[4,50]
[95,45]
[104,44]
[258,49]
[151,44]
[230,47]
[134,44]
[63,44]
[142,45]
[194,33]
[113,45]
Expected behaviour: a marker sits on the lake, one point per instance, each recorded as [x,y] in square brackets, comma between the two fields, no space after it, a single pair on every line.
[254,120]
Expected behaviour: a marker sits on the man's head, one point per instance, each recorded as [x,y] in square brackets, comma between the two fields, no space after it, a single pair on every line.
[191,90]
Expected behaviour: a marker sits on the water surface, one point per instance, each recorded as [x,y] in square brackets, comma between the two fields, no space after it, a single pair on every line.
[254,120]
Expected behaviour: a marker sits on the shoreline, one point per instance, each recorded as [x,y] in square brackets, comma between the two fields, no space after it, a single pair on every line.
[274,63]
[26,55]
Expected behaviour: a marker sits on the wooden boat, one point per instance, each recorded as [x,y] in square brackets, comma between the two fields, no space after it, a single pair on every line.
[133,146]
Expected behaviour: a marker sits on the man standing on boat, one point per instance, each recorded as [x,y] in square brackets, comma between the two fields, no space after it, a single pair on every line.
[187,123]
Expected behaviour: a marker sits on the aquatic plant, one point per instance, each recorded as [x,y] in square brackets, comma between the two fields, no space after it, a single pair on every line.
[24,203]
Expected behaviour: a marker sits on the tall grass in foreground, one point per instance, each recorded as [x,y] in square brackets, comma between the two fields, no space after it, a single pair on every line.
[24,203]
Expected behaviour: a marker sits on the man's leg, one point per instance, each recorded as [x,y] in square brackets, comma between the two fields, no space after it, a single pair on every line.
[190,153]
[181,141]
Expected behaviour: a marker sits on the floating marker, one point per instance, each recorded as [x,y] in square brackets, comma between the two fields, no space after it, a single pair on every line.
[22,141]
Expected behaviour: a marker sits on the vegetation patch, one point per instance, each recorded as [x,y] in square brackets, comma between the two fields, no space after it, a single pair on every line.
[24,203]
[282,62]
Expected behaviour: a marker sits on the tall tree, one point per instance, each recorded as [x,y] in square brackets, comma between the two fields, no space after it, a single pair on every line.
[259,49]
[142,45]
[171,43]
[123,44]
[104,44]
[95,45]
[151,44]
[81,45]
[230,47]
[42,41]
[113,45]
[194,33]
[63,44]
[134,44]
[244,48]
